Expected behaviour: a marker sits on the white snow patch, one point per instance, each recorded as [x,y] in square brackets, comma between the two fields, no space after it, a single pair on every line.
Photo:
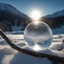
[11,56]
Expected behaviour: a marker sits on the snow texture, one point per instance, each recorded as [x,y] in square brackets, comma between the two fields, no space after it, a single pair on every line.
[11,56]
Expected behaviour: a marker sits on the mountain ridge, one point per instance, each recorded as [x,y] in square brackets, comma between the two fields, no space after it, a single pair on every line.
[56,14]
[10,8]
[11,17]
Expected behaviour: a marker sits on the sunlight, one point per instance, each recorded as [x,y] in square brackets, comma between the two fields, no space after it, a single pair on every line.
[35,14]
[36,48]
[36,22]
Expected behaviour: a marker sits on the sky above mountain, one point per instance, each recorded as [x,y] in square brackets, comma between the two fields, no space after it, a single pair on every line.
[45,6]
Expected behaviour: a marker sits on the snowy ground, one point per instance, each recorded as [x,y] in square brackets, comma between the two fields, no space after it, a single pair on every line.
[11,56]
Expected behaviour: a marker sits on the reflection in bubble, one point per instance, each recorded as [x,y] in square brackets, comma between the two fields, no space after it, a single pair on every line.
[38,36]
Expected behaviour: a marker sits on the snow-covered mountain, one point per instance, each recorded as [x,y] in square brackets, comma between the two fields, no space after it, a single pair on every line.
[55,21]
[56,14]
[11,9]
[12,19]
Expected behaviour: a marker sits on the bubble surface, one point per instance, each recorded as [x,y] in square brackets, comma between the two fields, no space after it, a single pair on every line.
[38,36]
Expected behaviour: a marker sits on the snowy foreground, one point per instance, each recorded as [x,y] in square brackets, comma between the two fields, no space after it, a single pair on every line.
[11,56]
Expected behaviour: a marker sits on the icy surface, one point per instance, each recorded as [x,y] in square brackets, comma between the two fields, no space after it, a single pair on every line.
[11,56]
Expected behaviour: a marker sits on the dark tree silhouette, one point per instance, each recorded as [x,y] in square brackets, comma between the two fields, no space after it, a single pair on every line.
[54,22]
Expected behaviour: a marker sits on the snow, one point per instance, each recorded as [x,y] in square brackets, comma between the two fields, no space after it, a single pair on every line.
[11,56]
[59,30]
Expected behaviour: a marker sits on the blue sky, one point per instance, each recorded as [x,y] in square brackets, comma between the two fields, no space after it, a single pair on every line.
[45,6]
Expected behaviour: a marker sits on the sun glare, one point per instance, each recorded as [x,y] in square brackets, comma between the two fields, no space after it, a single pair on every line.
[35,14]
[36,22]
[36,48]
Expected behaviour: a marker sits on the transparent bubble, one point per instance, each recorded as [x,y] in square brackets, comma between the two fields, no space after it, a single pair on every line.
[38,36]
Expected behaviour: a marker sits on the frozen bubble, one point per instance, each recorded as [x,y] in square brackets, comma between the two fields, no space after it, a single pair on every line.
[38,36]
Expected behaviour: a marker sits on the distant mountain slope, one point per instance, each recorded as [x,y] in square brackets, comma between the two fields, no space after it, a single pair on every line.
[11,18]
[56,14]
[11,9]
[55,21]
